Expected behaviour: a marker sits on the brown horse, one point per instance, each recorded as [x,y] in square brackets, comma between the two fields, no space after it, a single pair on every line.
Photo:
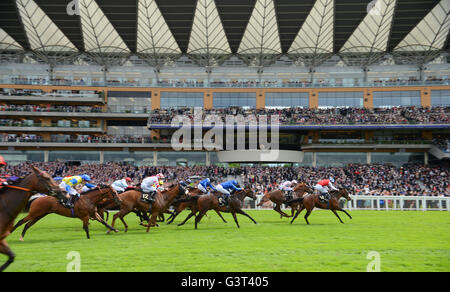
[84,209]
[278,198]
[131,200]
[205,203]
[180,205]
[310,201]
[14,198]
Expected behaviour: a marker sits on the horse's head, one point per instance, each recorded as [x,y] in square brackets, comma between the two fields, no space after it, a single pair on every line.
[249,193]
[303,187]
[344,193]
[113,193]
[43,183]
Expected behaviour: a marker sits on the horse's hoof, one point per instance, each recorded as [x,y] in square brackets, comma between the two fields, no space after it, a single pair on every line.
[21,238]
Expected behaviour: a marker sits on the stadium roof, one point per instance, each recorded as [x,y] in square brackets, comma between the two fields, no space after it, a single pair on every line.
[257,30]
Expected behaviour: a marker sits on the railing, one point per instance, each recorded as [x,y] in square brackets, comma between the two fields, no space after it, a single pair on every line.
[384,203]
[267,84]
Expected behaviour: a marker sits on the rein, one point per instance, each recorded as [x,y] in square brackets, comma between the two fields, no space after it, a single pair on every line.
[18,188]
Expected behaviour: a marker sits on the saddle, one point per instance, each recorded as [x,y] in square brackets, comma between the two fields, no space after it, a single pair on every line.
[288,196]
[223,201]
[148,197]
[324,198]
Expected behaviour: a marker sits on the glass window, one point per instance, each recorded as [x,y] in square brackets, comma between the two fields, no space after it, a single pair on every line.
[17,157]
[440,97]
[138,158]
[85,156]
[396,98]
[287,99]
[397,158]
[181,99]
[231,99]
[181,158]
[341,99]
[339,159]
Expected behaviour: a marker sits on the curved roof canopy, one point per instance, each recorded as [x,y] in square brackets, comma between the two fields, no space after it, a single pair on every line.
[309,31]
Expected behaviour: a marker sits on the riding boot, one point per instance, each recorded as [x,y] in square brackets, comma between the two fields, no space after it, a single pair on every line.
[70,201]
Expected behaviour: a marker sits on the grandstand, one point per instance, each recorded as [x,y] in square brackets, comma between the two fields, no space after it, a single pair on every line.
[98,81]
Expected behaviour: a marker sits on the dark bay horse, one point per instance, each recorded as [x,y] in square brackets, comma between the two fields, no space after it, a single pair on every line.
[205,203]
[85,208]
[310,201]
[15,197]
[278,197]
[131,200]
[187,203]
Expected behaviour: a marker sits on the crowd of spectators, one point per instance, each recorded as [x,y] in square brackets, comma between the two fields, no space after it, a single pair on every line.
[305,83]
[50,108]
[313,116]
[360,179]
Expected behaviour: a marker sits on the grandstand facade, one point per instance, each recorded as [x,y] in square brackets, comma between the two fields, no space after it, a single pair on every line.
[89,88]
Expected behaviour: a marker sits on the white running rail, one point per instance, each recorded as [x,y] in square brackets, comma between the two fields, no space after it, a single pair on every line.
[382,203]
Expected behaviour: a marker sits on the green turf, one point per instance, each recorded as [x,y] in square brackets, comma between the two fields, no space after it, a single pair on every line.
[405,241]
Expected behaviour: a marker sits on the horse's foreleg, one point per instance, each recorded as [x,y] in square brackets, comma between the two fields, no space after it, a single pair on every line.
[245,214]
[100,219]
[86,226]
[187,218]
[152,221]
[335,213]
[4,249]
[198,218]
[235,219]
[346,213]
[220,215]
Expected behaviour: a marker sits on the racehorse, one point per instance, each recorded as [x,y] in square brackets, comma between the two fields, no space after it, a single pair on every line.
[310,201]
[84,209]
[131,200]
[179,206]
[13,198]
[205,203]
[278,197]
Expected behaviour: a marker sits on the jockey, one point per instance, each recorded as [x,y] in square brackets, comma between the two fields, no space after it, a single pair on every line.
[121,185]
[151,184]
[204,184]
[322,187]
[68,184]
[286,186]
[228,186]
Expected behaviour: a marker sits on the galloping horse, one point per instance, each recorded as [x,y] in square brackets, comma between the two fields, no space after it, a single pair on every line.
[180,205]
[131,200]
[13,198]
[211,202]
[84,209]
[310,201]
[278,198]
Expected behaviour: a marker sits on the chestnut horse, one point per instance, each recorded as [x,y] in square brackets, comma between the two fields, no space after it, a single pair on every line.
[205,203]
[84,209]
[278,198]
[310,201]
[14,198]
[131,200]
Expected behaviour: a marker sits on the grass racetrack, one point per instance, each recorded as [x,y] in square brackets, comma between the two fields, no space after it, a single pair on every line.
[405,241]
